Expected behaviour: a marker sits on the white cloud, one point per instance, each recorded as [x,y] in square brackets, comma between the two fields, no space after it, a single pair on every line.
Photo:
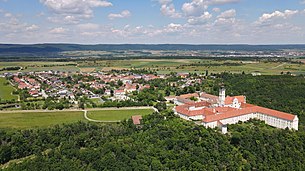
[227,14]
[73,10]
[32,28]
[268,17]
[200,20]
[123,14]
[88,26]
[12,25]
[226,18]
[8,15]
[66,19]
[172,27]
[197,7]
[168,9]
[58,30]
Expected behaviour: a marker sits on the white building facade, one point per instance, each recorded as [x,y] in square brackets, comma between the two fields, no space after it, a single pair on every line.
[231,110]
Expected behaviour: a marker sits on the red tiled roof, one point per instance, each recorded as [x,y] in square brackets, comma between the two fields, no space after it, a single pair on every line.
[136,119]
[229,99]
[248,110]
[275,113]
[16,79]
[119,91]
[184,109]
[209,96]
[219,113]
[186,96]
[185,100]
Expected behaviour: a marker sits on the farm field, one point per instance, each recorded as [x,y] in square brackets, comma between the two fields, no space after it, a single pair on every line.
[6,90]
[40,66]
[116,115]
[28,119]
[163,66]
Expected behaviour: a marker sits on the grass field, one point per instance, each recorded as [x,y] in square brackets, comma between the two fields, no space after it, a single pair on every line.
[6,90]
[115,115]
[25,120]
[163,66]
[40,66]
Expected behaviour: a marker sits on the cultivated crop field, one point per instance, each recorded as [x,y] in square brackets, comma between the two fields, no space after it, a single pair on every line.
[30,119]
[6,90]
[163,66]
[40,66]
[117,115]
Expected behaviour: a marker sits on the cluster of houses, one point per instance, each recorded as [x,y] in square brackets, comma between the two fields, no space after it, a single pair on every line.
[57,86]
[219,111]
[28,83]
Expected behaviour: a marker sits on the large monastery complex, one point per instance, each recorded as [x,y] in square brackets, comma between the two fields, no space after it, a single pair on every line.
[219,111]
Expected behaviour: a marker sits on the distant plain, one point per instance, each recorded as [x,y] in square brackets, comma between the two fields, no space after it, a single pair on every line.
[164,66]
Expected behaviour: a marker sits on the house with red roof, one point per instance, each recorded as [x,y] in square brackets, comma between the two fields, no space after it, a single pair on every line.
[136,120]
[130,87]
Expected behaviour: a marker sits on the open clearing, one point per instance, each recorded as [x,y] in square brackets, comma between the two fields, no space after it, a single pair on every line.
[116,115]
[25,120]
[6,90]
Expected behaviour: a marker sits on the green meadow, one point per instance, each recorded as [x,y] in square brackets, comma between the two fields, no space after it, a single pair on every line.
[25,120]
[117,115]
[6,90]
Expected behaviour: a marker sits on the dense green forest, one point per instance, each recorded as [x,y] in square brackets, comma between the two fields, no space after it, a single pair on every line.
[161,144]
[165,142]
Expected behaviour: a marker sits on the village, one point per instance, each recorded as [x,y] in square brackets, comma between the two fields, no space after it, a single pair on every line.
[66,85]
[99,87]
[136,89]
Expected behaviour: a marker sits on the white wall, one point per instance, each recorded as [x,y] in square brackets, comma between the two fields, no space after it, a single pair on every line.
[269,120]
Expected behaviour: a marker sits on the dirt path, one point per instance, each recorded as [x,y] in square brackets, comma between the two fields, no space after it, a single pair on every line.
[125,108]
[93,120]
[279,65]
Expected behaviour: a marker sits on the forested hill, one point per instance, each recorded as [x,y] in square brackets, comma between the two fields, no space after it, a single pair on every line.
[50,48]
[161,144]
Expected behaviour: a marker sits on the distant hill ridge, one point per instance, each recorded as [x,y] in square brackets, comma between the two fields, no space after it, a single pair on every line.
[55,48]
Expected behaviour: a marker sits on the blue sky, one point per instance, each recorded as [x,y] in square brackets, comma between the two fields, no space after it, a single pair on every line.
[153,21]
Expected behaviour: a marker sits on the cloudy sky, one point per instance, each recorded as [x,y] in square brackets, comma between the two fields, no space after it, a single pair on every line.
[152,21]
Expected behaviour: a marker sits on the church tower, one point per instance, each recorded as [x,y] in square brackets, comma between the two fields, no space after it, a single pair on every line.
[222,95]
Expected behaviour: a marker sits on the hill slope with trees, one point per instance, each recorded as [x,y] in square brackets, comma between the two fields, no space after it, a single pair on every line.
[165,142]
